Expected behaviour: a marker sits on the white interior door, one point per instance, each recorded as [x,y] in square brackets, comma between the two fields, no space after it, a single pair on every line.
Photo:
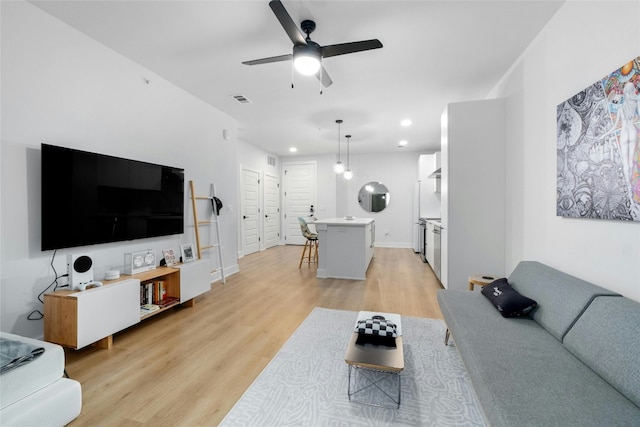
[250,211]
[271,211]
[299,195]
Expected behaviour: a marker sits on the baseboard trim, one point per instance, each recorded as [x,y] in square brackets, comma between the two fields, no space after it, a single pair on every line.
[398,245]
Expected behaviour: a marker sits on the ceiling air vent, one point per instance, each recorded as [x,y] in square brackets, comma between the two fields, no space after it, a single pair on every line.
[271,160]
[241,99]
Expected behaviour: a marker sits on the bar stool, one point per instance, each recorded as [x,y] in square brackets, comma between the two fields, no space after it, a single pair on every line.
[311,242]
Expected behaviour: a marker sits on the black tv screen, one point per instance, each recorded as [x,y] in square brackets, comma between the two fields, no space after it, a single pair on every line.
[90,198]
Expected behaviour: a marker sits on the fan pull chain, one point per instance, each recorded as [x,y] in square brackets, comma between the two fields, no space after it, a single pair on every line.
[292,74]
[320,80]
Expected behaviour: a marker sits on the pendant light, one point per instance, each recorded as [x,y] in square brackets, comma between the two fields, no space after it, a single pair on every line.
[347,173]
[338,167]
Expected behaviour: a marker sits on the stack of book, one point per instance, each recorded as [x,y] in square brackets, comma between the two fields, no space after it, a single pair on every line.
[167,302]
[153,296]
[152,292]
[148,308]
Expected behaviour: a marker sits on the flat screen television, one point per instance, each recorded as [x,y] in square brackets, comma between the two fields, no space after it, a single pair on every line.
[90,198]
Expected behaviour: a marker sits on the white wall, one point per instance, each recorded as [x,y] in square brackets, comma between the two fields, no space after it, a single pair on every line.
[338,197]
[399,173]
[251,157]
[63,88]
[579,46]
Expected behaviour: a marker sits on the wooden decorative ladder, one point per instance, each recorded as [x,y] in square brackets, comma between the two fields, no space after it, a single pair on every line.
[212,222]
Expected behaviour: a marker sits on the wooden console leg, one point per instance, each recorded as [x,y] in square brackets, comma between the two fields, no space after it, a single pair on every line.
[105,343]
[190,303]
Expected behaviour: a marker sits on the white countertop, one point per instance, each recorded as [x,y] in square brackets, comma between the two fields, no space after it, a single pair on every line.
[343,221]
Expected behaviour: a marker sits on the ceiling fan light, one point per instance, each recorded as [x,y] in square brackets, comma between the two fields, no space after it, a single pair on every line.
[348,174]
[306,59]
[306,64]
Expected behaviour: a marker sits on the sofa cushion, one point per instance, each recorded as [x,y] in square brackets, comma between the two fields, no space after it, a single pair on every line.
[508,301]
[561,297]
[606,338]
[522,375]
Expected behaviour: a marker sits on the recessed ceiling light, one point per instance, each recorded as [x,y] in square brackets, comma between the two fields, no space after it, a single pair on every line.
[406,122]
[293,149]
[402,143]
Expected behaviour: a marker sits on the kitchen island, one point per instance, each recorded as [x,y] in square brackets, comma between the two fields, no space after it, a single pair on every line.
[345,246]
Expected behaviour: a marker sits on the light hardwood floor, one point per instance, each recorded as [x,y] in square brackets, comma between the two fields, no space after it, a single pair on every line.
[189,366]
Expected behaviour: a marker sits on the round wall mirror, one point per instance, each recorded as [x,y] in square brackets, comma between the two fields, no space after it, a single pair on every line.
[374,196]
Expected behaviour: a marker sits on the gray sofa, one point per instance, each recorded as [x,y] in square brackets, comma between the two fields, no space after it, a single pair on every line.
[574,361]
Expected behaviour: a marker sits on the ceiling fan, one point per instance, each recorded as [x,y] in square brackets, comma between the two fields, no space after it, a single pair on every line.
[307,55]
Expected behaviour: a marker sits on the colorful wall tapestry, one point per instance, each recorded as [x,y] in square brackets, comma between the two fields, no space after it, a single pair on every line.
[598,152]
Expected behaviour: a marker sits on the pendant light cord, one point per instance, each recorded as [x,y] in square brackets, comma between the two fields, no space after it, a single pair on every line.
[338,122]
[348,137]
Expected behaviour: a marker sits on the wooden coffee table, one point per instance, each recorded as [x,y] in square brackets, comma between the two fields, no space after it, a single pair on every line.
[370,365]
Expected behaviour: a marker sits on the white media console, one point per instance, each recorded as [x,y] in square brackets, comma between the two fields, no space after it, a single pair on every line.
[79,318]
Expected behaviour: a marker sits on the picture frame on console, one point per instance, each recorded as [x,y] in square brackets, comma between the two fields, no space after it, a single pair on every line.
[186,250]
[169,257]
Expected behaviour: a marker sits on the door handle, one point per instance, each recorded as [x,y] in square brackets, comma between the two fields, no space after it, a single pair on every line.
[266,216]
[244,217]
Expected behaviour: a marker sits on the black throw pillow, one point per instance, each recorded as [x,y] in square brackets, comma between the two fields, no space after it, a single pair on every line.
[376,330]
[507,300]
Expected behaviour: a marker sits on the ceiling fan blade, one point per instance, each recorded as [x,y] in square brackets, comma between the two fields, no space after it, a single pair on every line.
[287,23]
[269,60]
[344,48]
[324,78]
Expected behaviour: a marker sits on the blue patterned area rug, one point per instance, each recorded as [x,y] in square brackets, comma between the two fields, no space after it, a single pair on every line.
[306,382]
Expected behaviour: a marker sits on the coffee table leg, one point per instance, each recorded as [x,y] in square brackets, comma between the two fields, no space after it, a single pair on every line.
[446,337]
[399,378]
[349,387]
[372,382]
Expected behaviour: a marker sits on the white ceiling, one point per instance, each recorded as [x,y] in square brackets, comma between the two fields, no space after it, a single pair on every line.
[435,52]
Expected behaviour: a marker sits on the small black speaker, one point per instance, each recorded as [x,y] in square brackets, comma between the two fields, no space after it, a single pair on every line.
[82,264]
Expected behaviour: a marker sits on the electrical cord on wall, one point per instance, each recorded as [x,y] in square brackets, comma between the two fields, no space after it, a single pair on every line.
[37,314]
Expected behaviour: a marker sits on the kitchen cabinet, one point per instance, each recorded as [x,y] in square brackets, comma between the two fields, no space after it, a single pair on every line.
[473,187]
[428,164]
[430,244]
[435,176]
[346,247]
[429,197]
